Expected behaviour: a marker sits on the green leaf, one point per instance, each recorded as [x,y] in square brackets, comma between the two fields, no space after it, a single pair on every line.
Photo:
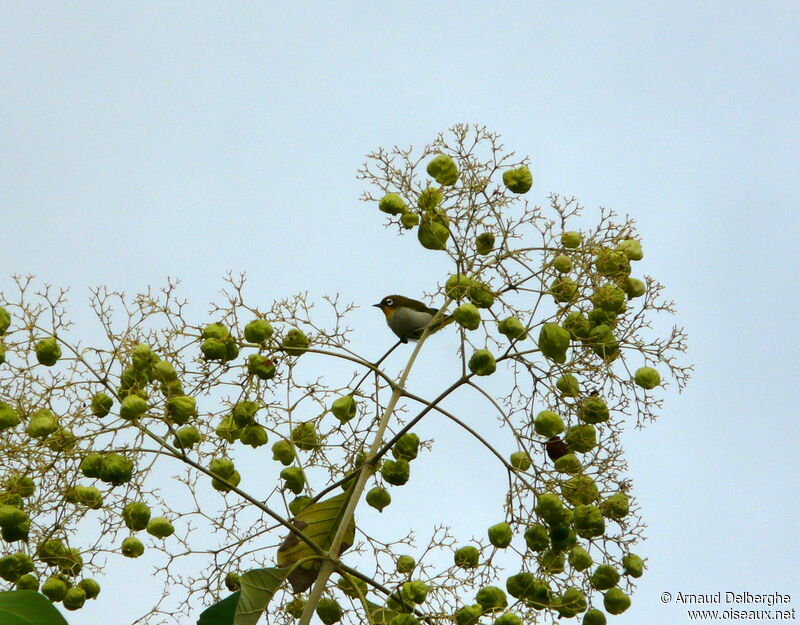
[258,588]
[28,607]
[319,523]
[221,613]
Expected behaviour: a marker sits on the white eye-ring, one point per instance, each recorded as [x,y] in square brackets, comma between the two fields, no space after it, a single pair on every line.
[389,301]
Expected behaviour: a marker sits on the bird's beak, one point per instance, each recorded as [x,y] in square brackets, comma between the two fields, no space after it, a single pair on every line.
[377,305]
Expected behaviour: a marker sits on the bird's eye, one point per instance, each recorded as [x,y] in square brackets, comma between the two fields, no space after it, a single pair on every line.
[388,301]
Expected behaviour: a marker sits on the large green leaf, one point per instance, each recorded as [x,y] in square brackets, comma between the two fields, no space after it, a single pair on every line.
[28,607]
[319,523]
[221,613]
[258,588]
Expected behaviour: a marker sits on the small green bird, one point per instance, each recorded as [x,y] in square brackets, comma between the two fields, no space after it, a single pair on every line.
[408,317]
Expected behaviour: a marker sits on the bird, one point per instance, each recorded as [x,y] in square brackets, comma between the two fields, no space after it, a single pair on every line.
[408,317]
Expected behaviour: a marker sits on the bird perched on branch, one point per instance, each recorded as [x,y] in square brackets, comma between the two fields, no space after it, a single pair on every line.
[408,317]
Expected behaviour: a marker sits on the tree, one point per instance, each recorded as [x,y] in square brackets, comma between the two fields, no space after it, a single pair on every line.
[554,337]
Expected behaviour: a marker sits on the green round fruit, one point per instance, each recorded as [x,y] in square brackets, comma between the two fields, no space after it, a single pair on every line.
[466,557]
[132,547]
[5,320]
[500,535]
[263,367]
[222,467]
[304,436]
[612,264]
[469,615]
[51,551]
[491,598]
[379,498]
[482,362]
[295,607]
[14,533]
[142,357]
[520,585]
[594,617]
[61,440]
[136,515]
[616,602]
[214,349]
[568,385]
[132,407]
[74,598]
[404,619]
[616,506]
[160,527]
[568,464]
[42,424]
[551,562]
[579,559]
[392,204]
[604,577]
[101,404]
[484,243]
[588,521]
[549,507]
[564,290]
[8,416]
[27,582]
[396,472]
[92,465]
[429,199]
[415,591]
[233,581]
[631,248]
[54,588]
[467,316]
[116,469]
[520,460]
[572,602]
[409,220]
[562,537]
[633,287]
[554,342]
[593,410]
[405,564]
[329,611]
[512,328]
[571,240]
[406,447]
[609,297]
[480,295]
[457,286]
[443,169]
[164,372]
[48,351]
[295,342]
[298,504]
[227,429]
[344,408]
[186,437]
[647,377]
[89,496]
[90,587]
[537,538]
[580,490]
[352,586]
[254,435]
[433,233]
[562,263]
[581,438]
[283,452]
[294,478]
[518,180]
[578,326]
[216,331]
[548,423]
[633,565]
[257,331]
[244,413]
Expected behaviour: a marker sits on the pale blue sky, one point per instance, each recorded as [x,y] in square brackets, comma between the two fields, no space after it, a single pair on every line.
[140,140]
